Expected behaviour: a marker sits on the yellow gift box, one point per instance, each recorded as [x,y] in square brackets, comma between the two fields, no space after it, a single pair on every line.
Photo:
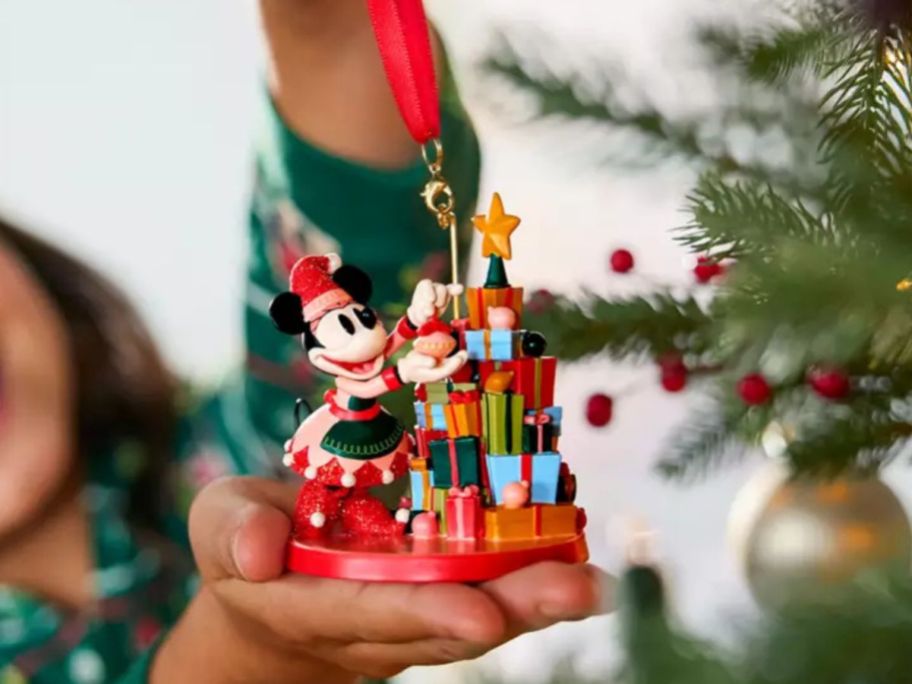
[531,522]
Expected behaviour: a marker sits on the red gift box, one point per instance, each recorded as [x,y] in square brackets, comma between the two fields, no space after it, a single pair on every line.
[533,378]
[464,514]
[480,299]
[423,436]
[466,373]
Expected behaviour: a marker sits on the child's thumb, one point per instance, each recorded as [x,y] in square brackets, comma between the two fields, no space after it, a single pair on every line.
[239,528]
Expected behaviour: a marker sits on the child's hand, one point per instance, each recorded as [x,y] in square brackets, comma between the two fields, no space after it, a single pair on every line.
[251,623]
[430,299]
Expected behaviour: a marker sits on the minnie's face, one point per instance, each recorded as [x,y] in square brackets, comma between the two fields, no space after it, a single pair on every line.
[350,343]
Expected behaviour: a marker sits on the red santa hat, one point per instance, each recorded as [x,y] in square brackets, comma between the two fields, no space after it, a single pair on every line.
[311,279]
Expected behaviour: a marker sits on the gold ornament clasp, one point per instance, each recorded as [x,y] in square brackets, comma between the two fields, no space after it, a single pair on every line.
[439,200]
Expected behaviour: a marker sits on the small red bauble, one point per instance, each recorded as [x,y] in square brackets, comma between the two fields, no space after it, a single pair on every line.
[671,361]
[540,301]
[674,379]
[707,269]
[599,410]
[829,383]
[754,389]
[621,261]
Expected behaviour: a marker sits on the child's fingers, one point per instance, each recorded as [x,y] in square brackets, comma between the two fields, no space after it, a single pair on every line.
[308,611]
[239,528]
[543,594]
[383,661]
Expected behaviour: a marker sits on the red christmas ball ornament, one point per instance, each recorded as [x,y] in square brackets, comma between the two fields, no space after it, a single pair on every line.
[621,261]
[829,383]
[599,410]
[671,361]
[707,269]
[754,389]
[674,379]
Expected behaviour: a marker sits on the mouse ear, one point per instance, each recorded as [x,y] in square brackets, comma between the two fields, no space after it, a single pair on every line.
[354,281]
[287,313]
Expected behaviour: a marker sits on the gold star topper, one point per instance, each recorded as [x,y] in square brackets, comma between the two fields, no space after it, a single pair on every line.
[496,228]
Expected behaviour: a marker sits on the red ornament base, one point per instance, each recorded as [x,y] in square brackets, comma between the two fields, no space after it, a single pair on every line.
[427,560]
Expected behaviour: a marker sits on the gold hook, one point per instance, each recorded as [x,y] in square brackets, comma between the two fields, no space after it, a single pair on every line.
[435,164]
[439,199]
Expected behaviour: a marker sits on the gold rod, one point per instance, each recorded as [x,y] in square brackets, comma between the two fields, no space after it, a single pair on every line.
[454,264]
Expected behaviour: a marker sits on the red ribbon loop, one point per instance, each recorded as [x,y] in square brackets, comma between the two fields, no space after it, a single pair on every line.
[402,33]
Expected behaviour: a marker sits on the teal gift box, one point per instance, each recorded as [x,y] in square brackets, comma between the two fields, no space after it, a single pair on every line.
[541,471]
[456,462]
[493,345]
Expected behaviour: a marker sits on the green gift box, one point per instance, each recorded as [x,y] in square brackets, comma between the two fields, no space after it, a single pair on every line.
[502,420]
[456,461]
[437,392]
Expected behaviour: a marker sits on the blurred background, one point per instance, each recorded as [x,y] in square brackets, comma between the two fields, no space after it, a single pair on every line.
[125,136]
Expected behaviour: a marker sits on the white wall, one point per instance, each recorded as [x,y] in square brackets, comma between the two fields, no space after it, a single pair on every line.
[124,135]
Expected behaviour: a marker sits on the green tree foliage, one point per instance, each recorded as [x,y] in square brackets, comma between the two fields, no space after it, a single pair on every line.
[815,241]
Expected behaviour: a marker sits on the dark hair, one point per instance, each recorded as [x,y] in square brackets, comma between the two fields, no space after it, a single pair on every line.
[124,393]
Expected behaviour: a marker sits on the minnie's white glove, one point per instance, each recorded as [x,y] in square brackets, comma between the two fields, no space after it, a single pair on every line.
[416,367]
[430,299]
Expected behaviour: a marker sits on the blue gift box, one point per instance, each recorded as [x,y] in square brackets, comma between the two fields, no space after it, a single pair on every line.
[430,416]
[542,470]
[493,345]
[421,489]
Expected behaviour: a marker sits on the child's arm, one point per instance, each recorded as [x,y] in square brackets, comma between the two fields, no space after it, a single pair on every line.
[251,623]
[337,172]
[328,81]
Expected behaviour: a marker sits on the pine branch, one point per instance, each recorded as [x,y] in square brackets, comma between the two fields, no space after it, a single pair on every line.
[775,59]
[866,127]
[859,440]
[709,438]
[555,97]
[732,220]
[699,139]
[631,327]
[817,303]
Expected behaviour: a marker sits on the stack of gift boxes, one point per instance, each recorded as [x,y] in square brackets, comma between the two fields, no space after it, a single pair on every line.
[488,465]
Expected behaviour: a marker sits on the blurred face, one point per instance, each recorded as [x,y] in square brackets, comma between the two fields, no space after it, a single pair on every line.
[35,395]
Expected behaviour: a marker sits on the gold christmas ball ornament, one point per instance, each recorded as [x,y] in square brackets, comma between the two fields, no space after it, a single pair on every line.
[804,539]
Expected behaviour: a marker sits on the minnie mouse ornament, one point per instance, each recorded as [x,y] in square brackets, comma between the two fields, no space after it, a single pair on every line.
[351,443]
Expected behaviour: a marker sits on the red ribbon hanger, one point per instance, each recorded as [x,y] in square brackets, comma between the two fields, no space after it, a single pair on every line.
[404,39]
[403,36]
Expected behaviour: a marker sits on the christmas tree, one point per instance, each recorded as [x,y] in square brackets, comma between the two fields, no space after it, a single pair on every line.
[805,342]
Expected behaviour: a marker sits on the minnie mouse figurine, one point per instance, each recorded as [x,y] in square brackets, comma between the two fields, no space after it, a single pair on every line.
[351,443]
